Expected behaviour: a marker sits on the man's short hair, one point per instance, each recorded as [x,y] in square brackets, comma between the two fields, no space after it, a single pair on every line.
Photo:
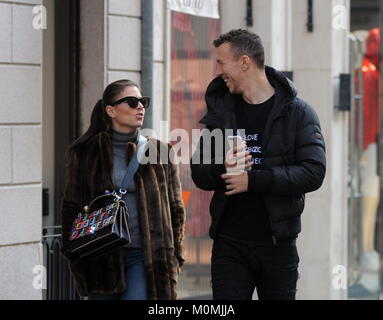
[243,42]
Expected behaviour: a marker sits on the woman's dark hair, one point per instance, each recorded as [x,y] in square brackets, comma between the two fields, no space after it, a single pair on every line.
[243,42]
[100,121]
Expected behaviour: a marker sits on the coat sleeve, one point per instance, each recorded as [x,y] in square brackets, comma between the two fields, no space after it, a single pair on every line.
[308,172]
[177,210]
[70,204]
[207,176]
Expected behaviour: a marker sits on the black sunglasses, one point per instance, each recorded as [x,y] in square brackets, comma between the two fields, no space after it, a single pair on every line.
[133,102]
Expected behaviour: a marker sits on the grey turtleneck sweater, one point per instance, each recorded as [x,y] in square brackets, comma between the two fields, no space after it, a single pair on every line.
[120,141]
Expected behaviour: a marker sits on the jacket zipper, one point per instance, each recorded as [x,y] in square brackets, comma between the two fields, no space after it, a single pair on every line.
[274,239]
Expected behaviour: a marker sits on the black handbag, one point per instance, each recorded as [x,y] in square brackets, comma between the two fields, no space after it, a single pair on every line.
[102,226]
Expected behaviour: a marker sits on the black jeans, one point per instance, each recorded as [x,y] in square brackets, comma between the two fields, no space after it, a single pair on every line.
[238,268]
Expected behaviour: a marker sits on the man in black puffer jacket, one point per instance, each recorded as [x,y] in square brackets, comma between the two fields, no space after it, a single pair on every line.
[256,213]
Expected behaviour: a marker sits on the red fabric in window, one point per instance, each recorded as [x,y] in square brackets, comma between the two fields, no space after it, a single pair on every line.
[371,89]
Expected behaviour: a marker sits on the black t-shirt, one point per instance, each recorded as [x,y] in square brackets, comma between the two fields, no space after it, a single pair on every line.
[246,216]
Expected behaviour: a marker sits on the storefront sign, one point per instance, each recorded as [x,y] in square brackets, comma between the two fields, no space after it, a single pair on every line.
[202,8]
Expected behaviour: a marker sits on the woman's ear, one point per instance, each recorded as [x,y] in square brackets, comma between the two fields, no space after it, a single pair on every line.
[110,111]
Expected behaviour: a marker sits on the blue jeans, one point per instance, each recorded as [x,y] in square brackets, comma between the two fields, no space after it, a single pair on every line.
[238,269]
[134,276]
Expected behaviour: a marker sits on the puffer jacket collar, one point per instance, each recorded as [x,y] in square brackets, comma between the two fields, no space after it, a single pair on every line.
[221,103]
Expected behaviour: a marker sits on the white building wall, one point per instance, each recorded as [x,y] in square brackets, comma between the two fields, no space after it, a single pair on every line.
[339,178]
[92,57]
[21,145]
[123,40]
[271,21]
[233,14]
[324,238]
[118,24]
[161,85]
[124,49]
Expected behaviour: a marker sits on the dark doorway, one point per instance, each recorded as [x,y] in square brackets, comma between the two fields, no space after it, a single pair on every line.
[67,24]
[61,127]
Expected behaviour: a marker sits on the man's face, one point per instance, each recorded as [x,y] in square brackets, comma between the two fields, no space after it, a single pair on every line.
[229,68]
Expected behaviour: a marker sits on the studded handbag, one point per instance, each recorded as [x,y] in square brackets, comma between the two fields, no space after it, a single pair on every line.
[102,226]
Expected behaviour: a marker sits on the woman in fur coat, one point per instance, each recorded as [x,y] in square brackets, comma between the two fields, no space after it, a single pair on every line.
[97,162]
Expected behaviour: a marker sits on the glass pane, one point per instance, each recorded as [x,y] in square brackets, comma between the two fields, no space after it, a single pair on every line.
[192,68]
[364,184]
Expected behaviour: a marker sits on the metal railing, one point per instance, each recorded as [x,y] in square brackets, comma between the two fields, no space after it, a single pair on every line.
[60,283]
[355,197]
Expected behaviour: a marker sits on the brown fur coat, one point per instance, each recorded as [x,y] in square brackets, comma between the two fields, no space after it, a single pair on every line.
[161,214]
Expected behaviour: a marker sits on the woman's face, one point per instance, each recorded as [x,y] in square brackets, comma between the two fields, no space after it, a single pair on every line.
[124,118]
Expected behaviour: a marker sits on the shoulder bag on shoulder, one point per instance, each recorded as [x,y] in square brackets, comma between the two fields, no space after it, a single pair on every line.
[102,226]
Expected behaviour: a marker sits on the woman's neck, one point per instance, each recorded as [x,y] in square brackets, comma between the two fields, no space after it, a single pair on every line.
[123,136]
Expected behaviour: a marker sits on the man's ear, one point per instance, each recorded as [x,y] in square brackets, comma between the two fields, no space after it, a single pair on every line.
[245,62]
[109,111]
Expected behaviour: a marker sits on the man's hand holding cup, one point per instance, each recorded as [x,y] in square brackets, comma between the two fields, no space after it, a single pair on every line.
[237,162]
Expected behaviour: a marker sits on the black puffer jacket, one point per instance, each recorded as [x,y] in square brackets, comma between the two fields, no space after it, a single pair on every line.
[293,162]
